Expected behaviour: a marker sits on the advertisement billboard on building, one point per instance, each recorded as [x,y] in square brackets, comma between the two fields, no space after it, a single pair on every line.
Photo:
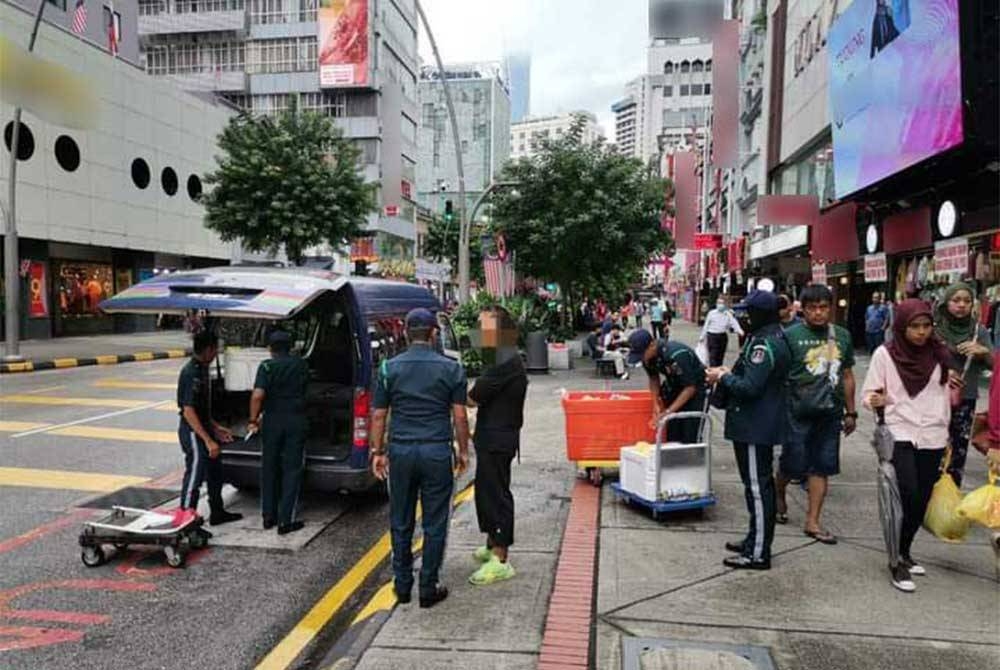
[895,87]
[343,42]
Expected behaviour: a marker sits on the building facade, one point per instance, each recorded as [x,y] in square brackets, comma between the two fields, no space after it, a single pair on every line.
[483,108]
[108,197]
[630,118]
[525,135]
[355,61]
[519,76]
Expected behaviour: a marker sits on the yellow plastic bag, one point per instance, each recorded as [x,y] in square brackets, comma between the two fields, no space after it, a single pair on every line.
[942,517]
[983,505]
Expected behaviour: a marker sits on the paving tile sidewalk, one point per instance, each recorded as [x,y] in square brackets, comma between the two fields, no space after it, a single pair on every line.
[99,349]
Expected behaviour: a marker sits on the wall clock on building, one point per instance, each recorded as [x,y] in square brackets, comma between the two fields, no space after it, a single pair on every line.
[871,238]
[947,218]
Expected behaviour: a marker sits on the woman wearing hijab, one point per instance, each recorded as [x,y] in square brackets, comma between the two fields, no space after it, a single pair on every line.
[907,380]
[971,348]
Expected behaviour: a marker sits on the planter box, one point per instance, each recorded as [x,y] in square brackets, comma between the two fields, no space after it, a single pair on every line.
[575,348]
[558,356]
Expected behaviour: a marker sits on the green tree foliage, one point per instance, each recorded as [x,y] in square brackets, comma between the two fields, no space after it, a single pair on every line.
[291,180]
[583,215]
[442,245]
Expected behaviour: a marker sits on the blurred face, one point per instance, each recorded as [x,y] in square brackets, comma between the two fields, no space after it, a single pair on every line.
[919,330]
[960,305]
[817,313]
[650,353]
[876,298]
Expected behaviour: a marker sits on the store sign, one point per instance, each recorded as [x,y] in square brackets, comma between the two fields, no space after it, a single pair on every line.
[37,291]
[391,210]
[708,241]
[952,257]
[819,273]
[876,268]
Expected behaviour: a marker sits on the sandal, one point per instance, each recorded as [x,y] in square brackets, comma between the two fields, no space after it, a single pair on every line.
[821,536]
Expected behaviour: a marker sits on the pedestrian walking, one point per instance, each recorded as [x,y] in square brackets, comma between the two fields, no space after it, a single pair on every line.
[972,351]
[499,394]
[198,432]
[426,393]
[907,381]
[715,333]
[279,398]
[756,418]
[676,381]
[820,407]
[876,321]
[656,318]
[787,312]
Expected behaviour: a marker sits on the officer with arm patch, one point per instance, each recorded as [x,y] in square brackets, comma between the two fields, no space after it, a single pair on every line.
[756,420]
[676,381]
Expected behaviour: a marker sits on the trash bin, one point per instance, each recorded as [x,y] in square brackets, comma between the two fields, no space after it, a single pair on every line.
[537,351]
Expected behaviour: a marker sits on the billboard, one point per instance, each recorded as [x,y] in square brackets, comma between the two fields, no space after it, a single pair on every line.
[343,42]
[895,87]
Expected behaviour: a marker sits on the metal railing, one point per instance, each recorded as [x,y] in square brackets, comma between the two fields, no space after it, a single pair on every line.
[280,16]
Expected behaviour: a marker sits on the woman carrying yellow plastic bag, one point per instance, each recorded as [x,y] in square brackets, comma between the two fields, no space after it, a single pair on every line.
[942,516]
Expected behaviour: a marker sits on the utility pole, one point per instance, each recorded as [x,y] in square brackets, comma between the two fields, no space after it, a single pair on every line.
[463,224]
[12,278]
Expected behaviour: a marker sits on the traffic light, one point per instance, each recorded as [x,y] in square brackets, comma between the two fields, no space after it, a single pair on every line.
[449,212]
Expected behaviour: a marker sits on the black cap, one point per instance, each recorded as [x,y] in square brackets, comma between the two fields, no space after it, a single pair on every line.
[765,301]
[420,318]
[279,337]
[638,342]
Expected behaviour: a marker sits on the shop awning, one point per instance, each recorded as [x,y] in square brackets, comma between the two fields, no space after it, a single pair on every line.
[835,235]
[906,231]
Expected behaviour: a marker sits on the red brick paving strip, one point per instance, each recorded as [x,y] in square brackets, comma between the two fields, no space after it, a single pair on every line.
[569,626]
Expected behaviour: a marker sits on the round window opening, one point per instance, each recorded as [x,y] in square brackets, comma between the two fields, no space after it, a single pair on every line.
[140,173]
[194,187]
[67,153]
[168,179]
[25,140]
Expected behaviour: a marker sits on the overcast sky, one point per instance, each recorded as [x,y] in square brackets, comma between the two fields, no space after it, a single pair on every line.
[582,51]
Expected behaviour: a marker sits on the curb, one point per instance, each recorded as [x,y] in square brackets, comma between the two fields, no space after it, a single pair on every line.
[111,359]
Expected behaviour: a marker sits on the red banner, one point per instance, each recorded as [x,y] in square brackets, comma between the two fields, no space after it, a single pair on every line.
[725,94]
[38,307]
[707,241]
[787,210]
[685,199]
[363,249]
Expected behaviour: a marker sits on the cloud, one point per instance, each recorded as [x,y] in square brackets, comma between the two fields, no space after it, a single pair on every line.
[582,51]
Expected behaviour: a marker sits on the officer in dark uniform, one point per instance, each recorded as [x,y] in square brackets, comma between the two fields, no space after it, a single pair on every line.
[756,418]
[425,392]
[280,393]
[682,388]
[199,434]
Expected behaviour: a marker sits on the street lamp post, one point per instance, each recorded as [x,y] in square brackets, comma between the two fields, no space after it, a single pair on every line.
[12,280]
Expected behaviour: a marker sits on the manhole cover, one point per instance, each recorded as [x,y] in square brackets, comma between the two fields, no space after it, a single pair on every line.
[645,653]
[132,496]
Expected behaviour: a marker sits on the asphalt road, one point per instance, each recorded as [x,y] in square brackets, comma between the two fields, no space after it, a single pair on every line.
[67,436]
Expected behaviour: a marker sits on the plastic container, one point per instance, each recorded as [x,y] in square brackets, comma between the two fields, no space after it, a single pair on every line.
[241,367]
[683,471]
[597,427]
[558,356]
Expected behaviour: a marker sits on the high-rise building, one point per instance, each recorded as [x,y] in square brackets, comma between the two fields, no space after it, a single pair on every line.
[525,134]
[519,76]
[680,94]
[353,60]
[630,118]
[482,107]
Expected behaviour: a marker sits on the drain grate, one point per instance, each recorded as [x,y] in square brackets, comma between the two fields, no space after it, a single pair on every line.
[646,653]
[132,496]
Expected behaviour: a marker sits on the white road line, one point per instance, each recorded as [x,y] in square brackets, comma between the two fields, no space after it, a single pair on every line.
[108,415]
[45,389]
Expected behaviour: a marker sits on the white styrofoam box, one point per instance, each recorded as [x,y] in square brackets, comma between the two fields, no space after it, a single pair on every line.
[558,357]
[683,471]
[241,367]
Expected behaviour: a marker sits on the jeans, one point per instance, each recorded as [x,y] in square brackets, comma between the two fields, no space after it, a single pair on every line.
[959,432]
[874,340]
[916,472]
[756,464]
[812,447]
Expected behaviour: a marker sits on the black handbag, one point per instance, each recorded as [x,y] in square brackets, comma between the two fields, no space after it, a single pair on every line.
[818,397]
[719,397]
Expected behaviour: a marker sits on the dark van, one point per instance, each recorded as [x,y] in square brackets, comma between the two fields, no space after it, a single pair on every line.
[342,326]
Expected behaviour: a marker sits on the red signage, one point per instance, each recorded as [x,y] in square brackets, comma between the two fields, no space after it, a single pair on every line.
[392,210]
[876,268]
[39,305]
[819,273]
[363,249]
[952,257]
[406,189]
[707,241]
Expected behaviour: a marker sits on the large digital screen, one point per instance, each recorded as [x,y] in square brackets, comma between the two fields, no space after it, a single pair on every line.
[343,42]
[895,87]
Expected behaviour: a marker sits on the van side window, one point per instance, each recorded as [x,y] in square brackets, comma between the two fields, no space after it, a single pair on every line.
[389,335]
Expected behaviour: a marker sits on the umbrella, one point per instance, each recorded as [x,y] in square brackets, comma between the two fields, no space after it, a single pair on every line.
[890,505]
[882,441]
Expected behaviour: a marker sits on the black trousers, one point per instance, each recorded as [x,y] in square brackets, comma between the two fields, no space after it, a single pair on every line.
[199,468]
[282,465]
[916,472]
[756,464]
[717,343]
[494,501]
[657,329]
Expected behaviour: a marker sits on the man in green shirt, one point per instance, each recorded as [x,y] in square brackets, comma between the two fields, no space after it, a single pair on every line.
[821,406]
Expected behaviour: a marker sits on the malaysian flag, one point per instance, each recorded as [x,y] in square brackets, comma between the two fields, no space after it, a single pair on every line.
[80,17]
[499,277]
[114,28]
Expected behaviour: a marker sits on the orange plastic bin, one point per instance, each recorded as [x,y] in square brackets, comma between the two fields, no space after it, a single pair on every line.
[597,427]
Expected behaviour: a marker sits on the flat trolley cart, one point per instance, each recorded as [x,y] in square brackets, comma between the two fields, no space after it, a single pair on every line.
[600,423]
[177,531]
[669,477]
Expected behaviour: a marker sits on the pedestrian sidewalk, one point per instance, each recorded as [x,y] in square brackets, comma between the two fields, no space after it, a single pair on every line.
[67,352]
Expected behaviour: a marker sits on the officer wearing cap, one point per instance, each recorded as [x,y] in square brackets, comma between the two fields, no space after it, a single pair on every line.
[426,392]
[755,399]
[279,396]
[682,387]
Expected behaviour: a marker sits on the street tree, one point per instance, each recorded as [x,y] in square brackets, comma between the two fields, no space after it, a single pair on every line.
[442,245]
[290,180]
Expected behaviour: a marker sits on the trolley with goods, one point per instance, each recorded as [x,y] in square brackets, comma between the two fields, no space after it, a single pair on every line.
[669,477]
[176,531]
[600,423]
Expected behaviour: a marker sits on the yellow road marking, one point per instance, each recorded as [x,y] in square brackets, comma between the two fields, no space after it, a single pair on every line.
[21,367]
[124,384]
[176,353]
[64,479]
[25,399]
[126,434]
[64,362]
[384,599]
[107,359]
[144,356]
[285,653]
[19,426]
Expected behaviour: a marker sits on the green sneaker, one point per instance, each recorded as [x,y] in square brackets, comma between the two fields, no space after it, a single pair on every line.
[482,554]
[492,571]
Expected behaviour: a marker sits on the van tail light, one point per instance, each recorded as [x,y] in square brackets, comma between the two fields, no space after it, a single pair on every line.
[360,428]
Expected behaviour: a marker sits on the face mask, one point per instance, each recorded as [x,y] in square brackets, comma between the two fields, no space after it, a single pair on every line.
[720,305]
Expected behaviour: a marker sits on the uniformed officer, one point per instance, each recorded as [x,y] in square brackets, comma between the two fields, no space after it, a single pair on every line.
[682,388]
[199,434]
[425,392]
[756,418]
[279,395]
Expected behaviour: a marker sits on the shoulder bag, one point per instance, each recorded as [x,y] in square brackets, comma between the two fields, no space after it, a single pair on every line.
[817,397]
